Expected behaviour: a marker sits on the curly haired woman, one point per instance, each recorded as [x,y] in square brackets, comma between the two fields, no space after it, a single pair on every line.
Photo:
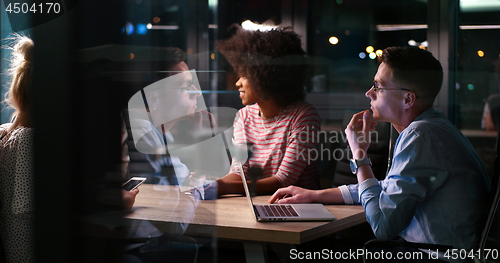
[276,121]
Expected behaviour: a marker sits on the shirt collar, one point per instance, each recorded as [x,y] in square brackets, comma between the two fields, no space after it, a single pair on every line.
[425,114]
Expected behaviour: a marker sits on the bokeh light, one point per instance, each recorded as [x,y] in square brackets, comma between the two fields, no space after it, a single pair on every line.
[333,40]
[129,28]
[142,29]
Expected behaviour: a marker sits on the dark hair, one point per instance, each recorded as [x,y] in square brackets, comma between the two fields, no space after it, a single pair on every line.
[167,57]
[163,59]
[415,69]
[272,61]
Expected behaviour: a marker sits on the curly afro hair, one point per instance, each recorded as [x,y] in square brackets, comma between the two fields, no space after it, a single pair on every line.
[272,61]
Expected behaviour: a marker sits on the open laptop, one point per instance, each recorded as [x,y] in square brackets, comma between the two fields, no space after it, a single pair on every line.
[286,212]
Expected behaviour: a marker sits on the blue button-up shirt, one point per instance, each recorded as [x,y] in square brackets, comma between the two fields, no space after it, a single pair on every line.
[435,191]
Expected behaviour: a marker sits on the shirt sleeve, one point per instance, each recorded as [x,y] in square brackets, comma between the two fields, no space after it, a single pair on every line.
[301,149]
[346,195]
[350,193]
[22,201]
[391,205]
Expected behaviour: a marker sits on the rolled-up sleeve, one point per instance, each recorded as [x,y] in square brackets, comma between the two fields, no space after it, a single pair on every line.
[350,193]
[346,195]
[366,184]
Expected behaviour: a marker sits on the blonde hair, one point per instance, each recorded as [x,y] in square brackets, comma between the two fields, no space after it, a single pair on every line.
[21,65]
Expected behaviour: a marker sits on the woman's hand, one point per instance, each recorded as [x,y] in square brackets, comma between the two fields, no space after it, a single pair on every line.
[225,185]
[128,198]
[229,184]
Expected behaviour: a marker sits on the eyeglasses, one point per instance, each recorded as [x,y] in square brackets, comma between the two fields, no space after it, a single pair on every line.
[189,86]
[376,88]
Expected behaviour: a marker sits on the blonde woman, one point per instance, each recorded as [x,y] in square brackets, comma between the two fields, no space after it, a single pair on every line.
[16,159]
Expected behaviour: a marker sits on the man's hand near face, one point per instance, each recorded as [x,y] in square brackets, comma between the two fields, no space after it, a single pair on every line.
[358,133]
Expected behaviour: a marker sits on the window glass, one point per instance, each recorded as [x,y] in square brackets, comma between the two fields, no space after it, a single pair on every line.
[111,60]
[344,38]
[478,75]
[4,31]
[341,37]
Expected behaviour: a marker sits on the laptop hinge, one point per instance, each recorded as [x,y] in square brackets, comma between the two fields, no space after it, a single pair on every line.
[256,212]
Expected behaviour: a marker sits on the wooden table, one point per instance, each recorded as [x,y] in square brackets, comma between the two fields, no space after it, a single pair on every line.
[231,218]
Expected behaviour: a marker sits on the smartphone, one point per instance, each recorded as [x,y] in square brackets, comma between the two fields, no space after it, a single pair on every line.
[133,183]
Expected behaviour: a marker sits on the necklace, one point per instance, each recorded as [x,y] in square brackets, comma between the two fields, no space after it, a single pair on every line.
[276,118]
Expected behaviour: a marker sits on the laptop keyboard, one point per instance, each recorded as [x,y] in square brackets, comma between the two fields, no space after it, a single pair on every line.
[279,210]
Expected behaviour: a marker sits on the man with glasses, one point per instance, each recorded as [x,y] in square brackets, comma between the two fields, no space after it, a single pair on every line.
[436,188]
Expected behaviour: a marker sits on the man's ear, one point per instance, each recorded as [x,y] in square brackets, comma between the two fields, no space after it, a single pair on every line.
[410,99]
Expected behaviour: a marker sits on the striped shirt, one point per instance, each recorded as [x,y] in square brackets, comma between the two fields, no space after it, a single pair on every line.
[281,146]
